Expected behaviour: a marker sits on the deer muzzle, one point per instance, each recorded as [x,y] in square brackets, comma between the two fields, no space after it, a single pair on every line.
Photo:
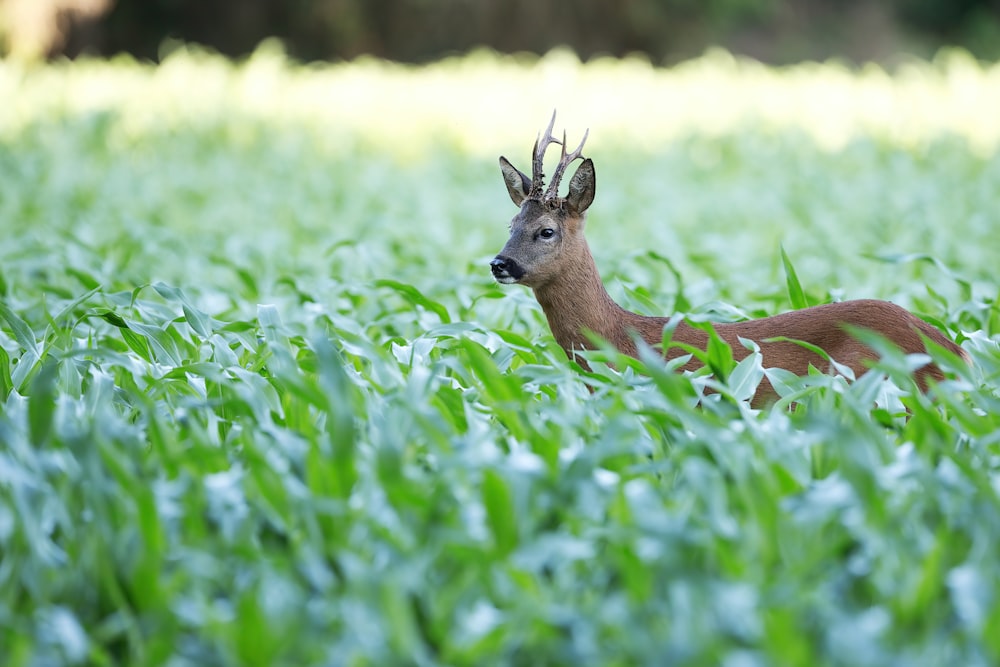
[506,270]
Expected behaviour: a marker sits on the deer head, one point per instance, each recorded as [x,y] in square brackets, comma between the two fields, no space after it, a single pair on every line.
[546,235]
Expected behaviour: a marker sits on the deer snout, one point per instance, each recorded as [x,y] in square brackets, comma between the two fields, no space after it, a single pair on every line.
[505,269]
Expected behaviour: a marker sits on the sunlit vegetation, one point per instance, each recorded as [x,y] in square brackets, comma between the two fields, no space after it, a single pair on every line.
[263,404]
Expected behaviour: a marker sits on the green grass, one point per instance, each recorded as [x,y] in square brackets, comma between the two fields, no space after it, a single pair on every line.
[262,403]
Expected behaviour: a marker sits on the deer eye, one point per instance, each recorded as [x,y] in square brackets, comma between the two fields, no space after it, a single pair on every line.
[547,233]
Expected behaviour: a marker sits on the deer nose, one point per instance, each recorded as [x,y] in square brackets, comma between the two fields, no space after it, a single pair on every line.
[506,270]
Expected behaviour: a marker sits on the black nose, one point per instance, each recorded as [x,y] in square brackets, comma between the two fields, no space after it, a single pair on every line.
[506,269]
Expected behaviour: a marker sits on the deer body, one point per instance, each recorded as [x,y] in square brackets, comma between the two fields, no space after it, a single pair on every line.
[547,251]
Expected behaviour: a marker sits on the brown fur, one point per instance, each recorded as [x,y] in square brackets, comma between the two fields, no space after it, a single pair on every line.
[561,271]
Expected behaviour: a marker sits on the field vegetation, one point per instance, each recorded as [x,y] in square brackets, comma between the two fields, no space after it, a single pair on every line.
[261,402]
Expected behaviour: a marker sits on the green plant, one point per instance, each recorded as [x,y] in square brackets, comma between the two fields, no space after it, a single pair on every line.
[263,404]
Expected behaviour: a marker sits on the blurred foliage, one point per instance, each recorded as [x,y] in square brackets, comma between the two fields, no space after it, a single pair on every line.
[776,31]
[261,402]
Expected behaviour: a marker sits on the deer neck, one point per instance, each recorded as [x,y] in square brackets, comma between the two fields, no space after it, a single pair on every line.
[576,301]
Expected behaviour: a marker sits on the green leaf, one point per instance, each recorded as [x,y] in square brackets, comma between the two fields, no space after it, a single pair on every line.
[162,345]
[416,297]
[342,407]
[500,511]
[746,377]
[23,334]
[42,403]
[111,317]
[795,293]
[718,357]
[842,369]
[6,382]
[86,279]
[497,385]
[68,309]
[199,321]
[135,342]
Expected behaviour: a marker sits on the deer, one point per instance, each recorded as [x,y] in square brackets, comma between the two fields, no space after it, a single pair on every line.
[548,253]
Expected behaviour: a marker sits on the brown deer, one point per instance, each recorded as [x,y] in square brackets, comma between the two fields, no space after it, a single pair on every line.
[548,253]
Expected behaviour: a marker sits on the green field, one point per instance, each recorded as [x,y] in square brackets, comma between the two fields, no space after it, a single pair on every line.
[261,402]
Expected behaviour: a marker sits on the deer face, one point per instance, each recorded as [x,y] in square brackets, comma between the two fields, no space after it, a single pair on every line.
[546,235]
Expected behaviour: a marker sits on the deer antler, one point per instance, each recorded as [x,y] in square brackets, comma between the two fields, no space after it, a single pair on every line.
[537,177]
[564,161]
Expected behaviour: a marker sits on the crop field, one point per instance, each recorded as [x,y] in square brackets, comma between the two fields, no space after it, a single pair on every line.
[261,402]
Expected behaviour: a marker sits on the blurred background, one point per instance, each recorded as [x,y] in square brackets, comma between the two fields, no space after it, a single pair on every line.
[666,31]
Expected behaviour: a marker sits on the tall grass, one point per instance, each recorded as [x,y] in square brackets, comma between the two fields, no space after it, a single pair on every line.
[263,404]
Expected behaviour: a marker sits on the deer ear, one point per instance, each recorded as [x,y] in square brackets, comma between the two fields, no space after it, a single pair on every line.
[518,185]
[582,187]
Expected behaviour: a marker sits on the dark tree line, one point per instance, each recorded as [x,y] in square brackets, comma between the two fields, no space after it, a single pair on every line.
[422,30]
